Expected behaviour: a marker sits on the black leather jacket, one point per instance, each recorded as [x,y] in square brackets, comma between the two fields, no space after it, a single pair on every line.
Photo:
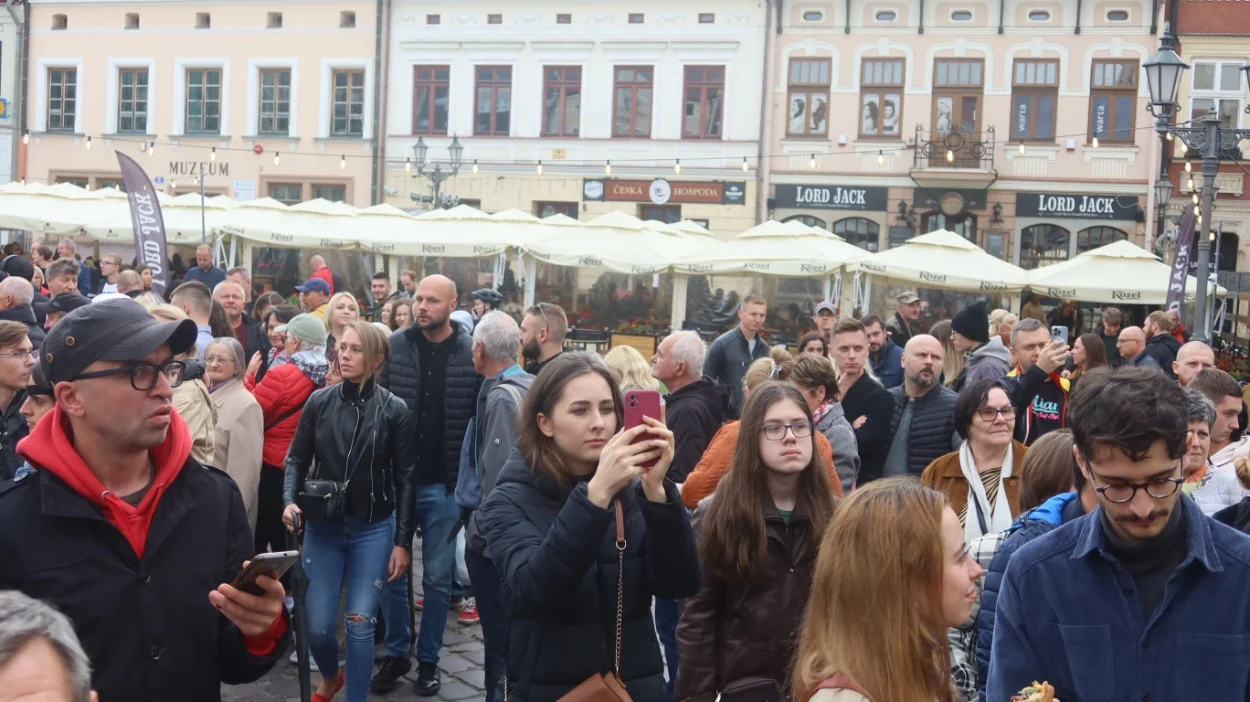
[365,434]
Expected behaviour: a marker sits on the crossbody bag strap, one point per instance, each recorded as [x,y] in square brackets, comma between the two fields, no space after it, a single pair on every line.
[620,578]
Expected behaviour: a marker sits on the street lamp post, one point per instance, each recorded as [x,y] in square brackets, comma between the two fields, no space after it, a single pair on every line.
[1163,77]
[437,176]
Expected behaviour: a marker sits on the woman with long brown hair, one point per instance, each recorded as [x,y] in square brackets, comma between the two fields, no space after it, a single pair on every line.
[1088,353]
[758,537]
[892,574]
[818,381]
[585,531]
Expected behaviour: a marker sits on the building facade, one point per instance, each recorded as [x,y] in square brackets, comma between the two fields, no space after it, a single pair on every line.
[1019,124]
[266,100]
[652,109]
[10,31]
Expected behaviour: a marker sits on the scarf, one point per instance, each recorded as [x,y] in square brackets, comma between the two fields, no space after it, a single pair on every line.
[312,364]
[821,412]
[998,518]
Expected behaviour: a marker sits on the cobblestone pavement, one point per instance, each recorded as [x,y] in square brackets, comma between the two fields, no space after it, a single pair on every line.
[461,664]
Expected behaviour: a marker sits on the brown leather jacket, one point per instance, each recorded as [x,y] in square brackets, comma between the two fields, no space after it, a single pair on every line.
[729,631]
[945,476]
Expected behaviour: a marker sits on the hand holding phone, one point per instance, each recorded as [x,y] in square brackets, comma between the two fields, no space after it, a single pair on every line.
[273,565]
[639,404]
[1059,332]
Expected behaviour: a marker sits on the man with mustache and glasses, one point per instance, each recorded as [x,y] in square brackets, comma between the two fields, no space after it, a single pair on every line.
[1143,598]
[923,427]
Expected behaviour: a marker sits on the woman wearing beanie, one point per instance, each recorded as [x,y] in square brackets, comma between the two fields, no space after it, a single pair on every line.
[987,359]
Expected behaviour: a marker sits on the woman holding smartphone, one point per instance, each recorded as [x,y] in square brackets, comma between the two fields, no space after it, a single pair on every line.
[579,604]
[360,436]
[758,536]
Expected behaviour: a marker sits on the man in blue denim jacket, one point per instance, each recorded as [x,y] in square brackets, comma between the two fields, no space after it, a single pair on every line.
[1144,598]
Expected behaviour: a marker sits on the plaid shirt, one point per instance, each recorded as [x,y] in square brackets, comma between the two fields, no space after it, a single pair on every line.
[963,638]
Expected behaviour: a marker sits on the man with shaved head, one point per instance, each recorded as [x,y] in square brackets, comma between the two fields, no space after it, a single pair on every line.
[16,295]
[1132,348]
[322,271]
[129,284]
[923,426]
[431,370]
[1193,358]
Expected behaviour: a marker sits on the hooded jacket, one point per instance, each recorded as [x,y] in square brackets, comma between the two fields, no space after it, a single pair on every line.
[727,361]
[989,362]
[1039,521]
[26,315]
[733,630]
[135,580]
[557,559]
[694,414]
[888,365]
[1041,402]
[1163,349]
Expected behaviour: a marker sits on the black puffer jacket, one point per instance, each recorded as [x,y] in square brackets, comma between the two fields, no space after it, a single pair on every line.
[26,315]
[932,432]
[556,555]
[365,435]
[1163,349]
[402,376]
[694,414]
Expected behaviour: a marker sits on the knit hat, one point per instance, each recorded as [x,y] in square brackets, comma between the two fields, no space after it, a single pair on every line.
[973,322]
[306,328]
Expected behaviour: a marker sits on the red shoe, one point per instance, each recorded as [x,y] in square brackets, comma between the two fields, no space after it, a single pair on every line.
[469,614]
[338,685]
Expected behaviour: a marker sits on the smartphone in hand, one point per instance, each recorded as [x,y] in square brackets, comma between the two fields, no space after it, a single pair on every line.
[1059,332]
[639,404]
[274,565]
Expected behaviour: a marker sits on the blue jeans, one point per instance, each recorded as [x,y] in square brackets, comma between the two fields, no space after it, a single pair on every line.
[437,513]
[354,553]
[666,627]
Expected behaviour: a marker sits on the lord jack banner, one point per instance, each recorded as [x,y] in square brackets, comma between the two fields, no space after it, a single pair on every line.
[149,225]
[1180,265]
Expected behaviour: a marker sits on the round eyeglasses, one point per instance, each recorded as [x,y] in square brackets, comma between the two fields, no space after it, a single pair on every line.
[1119,493]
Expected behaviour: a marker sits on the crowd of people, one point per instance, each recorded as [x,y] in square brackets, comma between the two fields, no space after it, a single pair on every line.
[882,515]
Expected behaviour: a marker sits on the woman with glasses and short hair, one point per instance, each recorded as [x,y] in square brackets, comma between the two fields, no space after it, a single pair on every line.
[239,436]
[191,397]
[758,536]
[982,479]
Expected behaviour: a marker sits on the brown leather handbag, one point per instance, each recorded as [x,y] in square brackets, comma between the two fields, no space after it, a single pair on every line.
[605,687]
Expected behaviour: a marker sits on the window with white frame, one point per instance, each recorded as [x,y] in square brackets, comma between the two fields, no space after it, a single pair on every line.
[275,101]
[203,101]
[62,99]
[1217,86]
[347,114]
[132,101]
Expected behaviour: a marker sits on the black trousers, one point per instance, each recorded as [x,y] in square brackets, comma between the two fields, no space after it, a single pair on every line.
[270,531]
[485,583]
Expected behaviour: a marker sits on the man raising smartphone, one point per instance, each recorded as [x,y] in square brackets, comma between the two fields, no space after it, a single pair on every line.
[124,532]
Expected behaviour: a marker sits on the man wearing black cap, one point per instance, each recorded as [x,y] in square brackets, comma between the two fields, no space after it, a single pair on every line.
[61,305]
[18,267]
[125,533]
[986,357]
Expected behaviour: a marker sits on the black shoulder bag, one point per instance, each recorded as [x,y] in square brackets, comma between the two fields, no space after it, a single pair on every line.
[326,500]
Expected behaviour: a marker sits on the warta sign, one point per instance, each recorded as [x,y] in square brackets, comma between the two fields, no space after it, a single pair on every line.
[831,197]
[1121,207]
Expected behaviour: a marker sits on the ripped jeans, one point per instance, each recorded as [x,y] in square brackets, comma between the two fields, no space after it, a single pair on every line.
[356,553]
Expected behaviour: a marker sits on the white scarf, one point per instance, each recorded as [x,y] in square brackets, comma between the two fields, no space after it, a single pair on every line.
[998,518]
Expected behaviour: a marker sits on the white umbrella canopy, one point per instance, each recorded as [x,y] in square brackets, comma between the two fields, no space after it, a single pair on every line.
[1120,272]
[775,248]
[316,224]
[56,210]
[459,232]
[181,215]
[616,241]
[946,261]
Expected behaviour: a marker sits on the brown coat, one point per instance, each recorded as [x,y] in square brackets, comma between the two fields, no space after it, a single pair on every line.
[237,441]
[731,631]
[945,476]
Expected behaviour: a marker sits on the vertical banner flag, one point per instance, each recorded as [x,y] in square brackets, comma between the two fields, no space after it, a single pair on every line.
[149,225]
[1180,266]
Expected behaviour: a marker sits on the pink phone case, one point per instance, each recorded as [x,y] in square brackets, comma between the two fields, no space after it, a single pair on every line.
[639,404]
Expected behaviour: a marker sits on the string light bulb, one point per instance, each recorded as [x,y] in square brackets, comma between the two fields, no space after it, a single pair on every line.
[1022,148]
[607,167]
[87,145]
[677,167]
[1170,137]
[880,158]
[25,136]
[1191,183]
[343,162]
[407,165]
[152,148]
[277,157]
[1195,197]
[539,170]
[1094,142]
[212,155]
[1184,148]
[474,166]
[745,167]
[950,156]
[811,163]
[1189,167]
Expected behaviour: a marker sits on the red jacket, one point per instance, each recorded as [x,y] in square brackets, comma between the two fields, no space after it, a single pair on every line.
[281,394]
[326,275]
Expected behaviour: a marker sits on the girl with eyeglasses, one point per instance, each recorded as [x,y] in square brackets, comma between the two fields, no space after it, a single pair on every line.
[982,479]
[758,536]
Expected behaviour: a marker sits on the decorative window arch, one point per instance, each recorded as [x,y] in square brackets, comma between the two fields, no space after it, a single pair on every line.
[1094,237]
[858,231]
[963,224]
[808,220]
[1044,244]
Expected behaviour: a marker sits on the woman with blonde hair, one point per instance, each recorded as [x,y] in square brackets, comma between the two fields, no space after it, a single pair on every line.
[952,358]
[719,455]
[340,311]
[1003,325]
[191,398]
[629,369]
[892,575]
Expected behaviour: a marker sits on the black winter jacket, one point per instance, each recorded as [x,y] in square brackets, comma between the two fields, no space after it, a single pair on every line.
[932,432]
[555,552]
[694,414]
[1163,349]
[145,623]
[257,341]
[867,398]
[727,361]
[12,430]
[364,435]
[26,315]
[401,374]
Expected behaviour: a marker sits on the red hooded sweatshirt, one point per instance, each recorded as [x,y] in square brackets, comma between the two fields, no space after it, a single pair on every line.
[49,447]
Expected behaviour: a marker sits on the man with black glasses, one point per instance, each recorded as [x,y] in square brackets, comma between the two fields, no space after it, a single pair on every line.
[1144,598]
[125,533]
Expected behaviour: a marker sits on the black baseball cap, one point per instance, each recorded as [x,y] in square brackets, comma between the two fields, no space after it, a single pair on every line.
[18,266]
[113,330]
[67,302]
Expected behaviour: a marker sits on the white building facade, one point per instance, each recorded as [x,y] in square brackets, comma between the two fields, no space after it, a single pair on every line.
[10,55]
